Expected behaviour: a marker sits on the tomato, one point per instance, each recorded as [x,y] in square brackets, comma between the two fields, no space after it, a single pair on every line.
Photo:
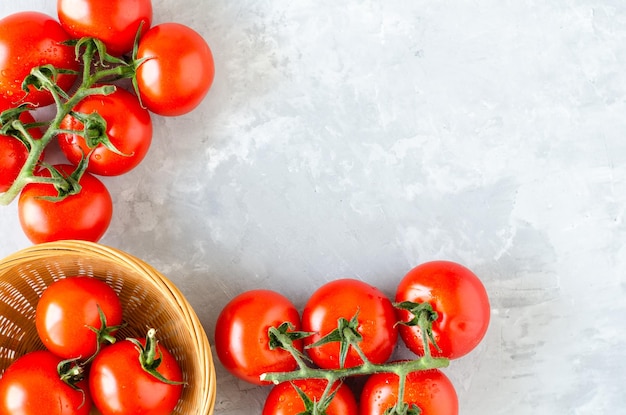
[344,298]
[457,296]
[241,334]
[114,22]
[68,310]
[129,129]
[30,39]
[84,216]
[284,399]
[31,385]
[119,385]
[178,72]
[13,152]
[430,390]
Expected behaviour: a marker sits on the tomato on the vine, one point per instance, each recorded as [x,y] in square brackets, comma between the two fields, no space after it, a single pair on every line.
[128,128]
[457,296]
[345,299]
[241,334]
[30,39]
[32,385]
[177,71]
[68,316]
[114,22]
[84,216]
[284,398]
[430,390]
[121,384]
[13,152]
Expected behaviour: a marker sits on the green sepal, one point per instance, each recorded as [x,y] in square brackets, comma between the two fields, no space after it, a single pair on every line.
[94,44]
[104,334]
[279,336]
[95,131]
[70,373]
[45,78]
[402,408]
[148,357]
[423,316]
[346,334]
[312,407]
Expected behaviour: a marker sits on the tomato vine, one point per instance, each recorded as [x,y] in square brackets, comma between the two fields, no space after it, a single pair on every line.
[97,66]
[347,335]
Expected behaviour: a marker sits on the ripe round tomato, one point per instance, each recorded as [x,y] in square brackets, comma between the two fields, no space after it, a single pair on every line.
[119,385]
[344,298]
[84,216]
[178,72]
[129,128]
[241,334]
[430,390]
[458,297]
[31,385]
[66,311]
[13,152]
[114,22]
[284,399]
[29,39]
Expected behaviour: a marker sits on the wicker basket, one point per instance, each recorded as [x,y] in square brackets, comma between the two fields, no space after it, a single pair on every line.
[149,300]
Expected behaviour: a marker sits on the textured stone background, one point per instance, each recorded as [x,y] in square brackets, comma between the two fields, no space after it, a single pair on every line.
[360,138]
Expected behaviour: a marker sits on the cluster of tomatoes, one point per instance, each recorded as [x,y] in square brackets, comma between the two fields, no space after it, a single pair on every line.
[350,329]
[104,69]
[83,365]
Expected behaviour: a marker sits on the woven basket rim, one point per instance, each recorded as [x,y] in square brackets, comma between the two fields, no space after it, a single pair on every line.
[160,282]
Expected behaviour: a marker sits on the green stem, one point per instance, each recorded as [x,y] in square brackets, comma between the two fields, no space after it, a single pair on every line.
[367,368]
[64,105]
[347,335]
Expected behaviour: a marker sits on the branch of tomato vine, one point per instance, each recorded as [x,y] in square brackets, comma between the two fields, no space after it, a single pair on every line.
[98,66]
[348,336]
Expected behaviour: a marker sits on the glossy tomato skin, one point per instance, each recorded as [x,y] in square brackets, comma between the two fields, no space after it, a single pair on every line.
[66,310]
[241,334]
[129,128]
[119,385]
[459,298]
[85,216]
[430,390]
[114,22]
[178,72]
[343,298]
[30,39]
[31,386]
[13,152]
[283,399]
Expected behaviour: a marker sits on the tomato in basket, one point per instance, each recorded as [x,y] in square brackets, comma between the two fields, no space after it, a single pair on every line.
[76,315]
[40,380]
[135,376]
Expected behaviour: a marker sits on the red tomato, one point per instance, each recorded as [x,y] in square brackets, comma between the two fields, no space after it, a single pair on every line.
[430,390]
[66,311]
[85,216]
[458,297]
[241,334]
[284,399]
[114,22]
[32,386]
[343,299]
[29,39]
[129,129]
[119,385]
[13,152]
[178,72]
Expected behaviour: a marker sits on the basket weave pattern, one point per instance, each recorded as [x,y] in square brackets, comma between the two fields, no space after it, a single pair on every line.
[149,300]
